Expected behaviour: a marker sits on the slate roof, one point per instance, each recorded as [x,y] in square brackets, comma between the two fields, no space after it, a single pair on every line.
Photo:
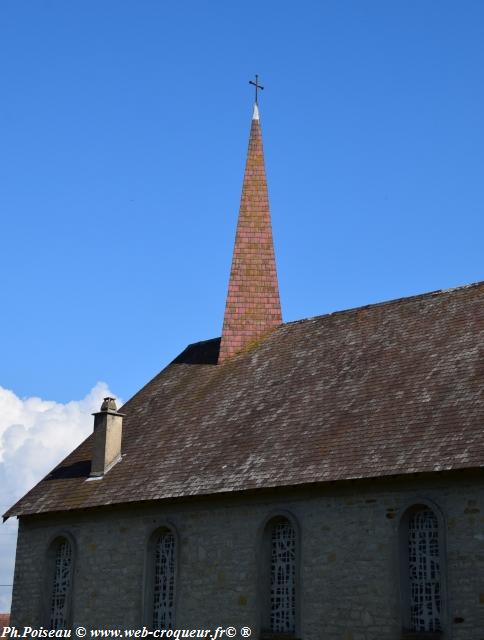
[391,388]
[253,307]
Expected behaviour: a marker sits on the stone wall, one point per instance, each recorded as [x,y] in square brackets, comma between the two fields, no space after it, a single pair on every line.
[349,558]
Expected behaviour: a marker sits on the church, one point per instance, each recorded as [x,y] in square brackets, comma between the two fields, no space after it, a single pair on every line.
[311,480]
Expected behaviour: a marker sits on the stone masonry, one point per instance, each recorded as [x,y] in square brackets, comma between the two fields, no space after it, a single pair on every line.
[349,558]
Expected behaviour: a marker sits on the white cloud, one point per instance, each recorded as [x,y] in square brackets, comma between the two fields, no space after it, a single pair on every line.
[35,435]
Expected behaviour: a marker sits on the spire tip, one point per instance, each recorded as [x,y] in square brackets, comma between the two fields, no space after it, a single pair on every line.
[255,115]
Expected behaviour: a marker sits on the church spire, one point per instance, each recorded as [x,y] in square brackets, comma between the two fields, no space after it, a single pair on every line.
[253,308]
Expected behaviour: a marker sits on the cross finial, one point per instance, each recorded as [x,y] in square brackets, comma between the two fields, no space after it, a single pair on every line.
[257,86]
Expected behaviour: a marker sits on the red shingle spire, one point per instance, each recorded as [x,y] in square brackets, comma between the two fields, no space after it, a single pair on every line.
[253,308]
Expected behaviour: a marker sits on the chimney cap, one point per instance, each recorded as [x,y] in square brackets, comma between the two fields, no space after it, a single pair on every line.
[109,404]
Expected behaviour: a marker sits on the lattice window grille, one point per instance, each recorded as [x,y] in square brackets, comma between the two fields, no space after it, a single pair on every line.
[164,587]
[283,578]
[424,571]
[62,585]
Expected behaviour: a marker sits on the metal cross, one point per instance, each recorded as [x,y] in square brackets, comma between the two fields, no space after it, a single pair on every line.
[256,85]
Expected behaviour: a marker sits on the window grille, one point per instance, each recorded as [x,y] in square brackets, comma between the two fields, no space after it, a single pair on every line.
[164,587]
[424,571]
[283,577]
[62,585]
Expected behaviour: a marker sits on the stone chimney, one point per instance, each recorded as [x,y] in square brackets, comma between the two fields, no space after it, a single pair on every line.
[108,430]
[253,308]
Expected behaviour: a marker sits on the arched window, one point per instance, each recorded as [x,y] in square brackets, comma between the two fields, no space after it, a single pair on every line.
[279,576]
[161,578]
[422,584]
[60,565]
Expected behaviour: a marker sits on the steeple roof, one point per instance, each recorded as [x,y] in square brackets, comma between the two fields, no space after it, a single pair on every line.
[253,308]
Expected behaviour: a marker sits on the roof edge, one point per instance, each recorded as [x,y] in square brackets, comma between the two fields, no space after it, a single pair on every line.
[412,298]
[258,490]
[211,342]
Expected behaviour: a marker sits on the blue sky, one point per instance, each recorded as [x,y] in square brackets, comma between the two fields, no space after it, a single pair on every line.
[124,128]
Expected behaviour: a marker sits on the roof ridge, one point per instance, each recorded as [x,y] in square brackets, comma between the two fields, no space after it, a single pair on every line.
[402,299]
[412,298]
